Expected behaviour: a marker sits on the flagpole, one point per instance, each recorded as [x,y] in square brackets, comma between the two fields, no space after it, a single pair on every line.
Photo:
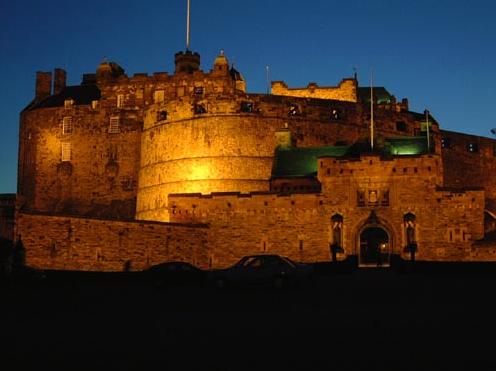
[372,109]
[428,135]
[187,25]
[267,78]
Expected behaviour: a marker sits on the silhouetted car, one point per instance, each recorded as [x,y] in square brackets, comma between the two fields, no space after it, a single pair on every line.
[269,270]
[175,273]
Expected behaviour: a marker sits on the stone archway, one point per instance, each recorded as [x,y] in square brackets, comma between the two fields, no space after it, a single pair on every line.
[374,246]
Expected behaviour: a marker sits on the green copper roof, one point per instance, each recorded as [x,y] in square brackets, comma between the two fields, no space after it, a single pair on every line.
[405,146]
[296,162]
[302,162]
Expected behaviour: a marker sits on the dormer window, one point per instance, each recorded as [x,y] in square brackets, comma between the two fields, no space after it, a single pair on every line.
[67,125]
[114,125]
[68,103]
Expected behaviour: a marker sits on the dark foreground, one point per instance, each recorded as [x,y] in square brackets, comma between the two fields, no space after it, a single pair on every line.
[363,320]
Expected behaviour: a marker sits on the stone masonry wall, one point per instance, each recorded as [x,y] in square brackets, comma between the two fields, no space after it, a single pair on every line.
[101,177]
[62,242]
[464,168]
[299,225]
[345,91]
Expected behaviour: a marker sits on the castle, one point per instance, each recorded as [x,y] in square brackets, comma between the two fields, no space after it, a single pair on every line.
[129,171]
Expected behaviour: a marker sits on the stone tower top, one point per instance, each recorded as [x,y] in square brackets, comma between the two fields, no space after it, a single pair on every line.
[187,61]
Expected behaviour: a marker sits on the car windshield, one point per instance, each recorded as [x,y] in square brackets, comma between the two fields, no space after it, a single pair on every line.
[290,262]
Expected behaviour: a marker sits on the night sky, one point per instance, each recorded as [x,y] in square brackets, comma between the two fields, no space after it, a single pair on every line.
[439,54]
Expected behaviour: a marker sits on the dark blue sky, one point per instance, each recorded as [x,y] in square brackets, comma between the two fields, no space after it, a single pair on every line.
[439,54]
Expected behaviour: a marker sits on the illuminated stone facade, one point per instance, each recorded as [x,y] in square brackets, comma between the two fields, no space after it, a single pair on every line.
[189,166]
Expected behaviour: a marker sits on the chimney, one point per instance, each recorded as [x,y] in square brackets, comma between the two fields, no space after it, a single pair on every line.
[43,85]
[59,80]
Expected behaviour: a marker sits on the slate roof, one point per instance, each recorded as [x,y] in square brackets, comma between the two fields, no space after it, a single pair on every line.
[381,95]
[81,94]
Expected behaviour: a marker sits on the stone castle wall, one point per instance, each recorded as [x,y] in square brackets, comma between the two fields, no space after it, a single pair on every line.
[470,168]
[345,91]
[299,225]
[72,243]
[101,177]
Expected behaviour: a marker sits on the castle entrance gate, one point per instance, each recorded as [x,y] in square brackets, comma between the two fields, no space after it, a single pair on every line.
[375,248]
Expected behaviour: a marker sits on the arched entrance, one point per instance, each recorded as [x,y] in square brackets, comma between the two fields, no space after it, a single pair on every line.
[374,247]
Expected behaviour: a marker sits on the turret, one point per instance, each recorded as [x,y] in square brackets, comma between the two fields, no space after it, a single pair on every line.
[187,61]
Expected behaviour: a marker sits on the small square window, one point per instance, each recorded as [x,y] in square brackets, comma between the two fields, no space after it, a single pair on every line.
[67,125]
[200,109]
[68,103]
[114,126]
[66,151]
[335,114]
[158,96]
[445,142]
[246,107]
[162,115]
[293,110]
[473,147]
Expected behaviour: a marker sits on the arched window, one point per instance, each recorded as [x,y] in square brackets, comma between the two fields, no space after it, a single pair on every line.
[409,223]
[337,230]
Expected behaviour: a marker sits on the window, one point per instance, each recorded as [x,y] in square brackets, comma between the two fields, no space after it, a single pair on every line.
[246,107]
[445,142]
[68,103]
[373,198]
[120,101]
[385,198]
[66,151]
[200,109]
[158,96]
[335,114]
[162,115]
[473,147]
[67,125]
[293,110]
[198,90]
[114,126]
[94,104]
[360,198]
[401,126]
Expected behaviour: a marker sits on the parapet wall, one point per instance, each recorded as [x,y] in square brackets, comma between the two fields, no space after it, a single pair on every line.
[72,243]
[345,91]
